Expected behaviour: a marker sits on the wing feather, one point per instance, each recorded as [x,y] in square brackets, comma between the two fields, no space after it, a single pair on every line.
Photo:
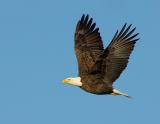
[88,44]
[116,55]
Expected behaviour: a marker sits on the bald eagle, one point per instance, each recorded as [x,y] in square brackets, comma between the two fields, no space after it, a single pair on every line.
[98,68]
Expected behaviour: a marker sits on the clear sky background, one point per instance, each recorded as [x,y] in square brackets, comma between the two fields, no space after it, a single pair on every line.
[36,53]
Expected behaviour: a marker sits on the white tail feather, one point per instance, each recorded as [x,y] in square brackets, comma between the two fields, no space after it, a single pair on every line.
[117,92]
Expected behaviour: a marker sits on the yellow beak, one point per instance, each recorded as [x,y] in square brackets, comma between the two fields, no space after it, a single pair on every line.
[65,81]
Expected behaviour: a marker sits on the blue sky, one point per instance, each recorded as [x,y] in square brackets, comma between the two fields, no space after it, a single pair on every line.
[36,53]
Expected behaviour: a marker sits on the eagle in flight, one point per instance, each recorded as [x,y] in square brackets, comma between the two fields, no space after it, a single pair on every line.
[99,67]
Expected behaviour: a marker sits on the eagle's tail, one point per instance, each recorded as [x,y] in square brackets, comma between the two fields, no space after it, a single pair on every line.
[117,92]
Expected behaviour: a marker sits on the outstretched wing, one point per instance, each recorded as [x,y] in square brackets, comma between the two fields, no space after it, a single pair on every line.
[88,44]
[116,55]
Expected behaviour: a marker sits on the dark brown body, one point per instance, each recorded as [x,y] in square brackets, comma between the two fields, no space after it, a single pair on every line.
[94,84]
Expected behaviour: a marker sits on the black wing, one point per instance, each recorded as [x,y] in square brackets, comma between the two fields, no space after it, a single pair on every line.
[88,44]
[116,55]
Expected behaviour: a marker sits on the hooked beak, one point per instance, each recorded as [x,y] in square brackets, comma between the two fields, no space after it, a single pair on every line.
[64,81]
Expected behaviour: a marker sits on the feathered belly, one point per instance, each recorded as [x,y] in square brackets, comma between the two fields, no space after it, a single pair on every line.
[98,89]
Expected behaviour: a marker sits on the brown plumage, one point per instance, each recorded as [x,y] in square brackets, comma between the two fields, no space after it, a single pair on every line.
[99,67]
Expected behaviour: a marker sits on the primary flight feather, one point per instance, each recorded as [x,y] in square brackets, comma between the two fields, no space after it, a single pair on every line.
[99,67]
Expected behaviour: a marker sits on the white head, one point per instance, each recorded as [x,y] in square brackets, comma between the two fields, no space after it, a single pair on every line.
[74,81]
